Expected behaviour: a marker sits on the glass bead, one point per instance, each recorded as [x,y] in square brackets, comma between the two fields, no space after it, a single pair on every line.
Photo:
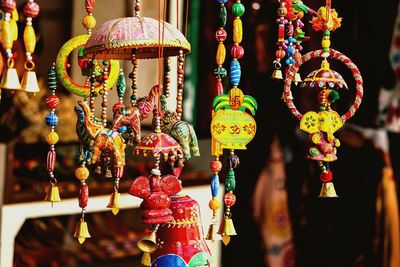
[238,9]
[51,119]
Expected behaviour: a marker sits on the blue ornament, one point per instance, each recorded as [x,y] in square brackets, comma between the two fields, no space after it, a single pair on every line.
[51,119]
[221,1]
[123,129]
[214,185]
[169,260]
[235,73]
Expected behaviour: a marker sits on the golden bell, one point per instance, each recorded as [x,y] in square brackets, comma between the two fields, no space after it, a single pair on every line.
[148,242]
[10,80]
[212,233]
[29,82]
[297,78]
[277,74]
[226,230]
[114,202]
[53,194]
[82,231]
[327,190]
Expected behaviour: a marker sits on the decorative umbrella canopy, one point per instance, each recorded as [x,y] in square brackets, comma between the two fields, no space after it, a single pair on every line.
[158,144]
[324,77]
[115,39]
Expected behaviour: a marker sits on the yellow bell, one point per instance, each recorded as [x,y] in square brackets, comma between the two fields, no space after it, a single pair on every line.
[10,80]
[148,242]
[82,231]
[226,230]
[114,202]
[53,194]
[297,78]
[327,190]
[277,74]
[29,82]
[212,233]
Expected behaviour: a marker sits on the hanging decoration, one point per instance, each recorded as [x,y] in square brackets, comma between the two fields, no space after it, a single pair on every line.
[10,79]
[231,126]
[322,125]
[29,81]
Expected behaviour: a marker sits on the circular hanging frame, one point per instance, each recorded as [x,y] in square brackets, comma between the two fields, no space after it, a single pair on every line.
[66,80]
[333,54]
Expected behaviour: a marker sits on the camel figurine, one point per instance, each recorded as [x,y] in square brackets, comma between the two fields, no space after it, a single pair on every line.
[104,138]
[132,116]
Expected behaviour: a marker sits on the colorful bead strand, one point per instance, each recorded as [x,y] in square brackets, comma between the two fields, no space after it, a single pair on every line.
[221,35]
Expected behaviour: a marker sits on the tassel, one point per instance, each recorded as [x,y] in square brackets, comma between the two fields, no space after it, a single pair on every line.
[146,259]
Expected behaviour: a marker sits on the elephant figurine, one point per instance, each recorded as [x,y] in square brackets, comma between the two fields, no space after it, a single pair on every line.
[132,116]
[182,132]
[321,126]
[101,137]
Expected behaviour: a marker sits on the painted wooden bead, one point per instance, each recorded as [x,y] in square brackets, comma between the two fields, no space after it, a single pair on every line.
[51,119]
[236,98]
[8,5]
[237,30]
[220,73]
[82,173]
[83,195]
[89,5]
[89,22]
[214,185]
[221,35]
[222,1]
[214,204]
[235,72]
[221,54]
[237,51]
[51,159]
[31,9]
[222,16]
[52,101]
[216,166]
[7,37]
[219,88]
[52,138]
[238,9]
[29,39]
[280,53]
[229,199]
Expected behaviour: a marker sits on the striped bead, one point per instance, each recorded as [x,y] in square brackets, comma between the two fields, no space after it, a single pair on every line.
[83,195]
[235,73]
[51,159]
[214,185]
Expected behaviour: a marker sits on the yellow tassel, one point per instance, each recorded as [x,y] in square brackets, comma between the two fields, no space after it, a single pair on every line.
[146,259]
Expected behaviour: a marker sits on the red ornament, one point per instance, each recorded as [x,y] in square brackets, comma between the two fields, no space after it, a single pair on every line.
[219,88]
[229,199]
[280,53]
[51,159]
[31,9]
[89,4]
[237,51]
[326,177]
[221,35]
[215,166]
[83,195]
[52,101]
[8,5]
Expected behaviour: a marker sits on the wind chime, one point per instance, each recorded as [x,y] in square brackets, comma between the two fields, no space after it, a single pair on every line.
[322,125]
[231,126]
[172,140]
[10,80]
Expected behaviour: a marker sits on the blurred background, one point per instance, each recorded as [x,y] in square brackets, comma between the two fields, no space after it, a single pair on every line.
[279,218]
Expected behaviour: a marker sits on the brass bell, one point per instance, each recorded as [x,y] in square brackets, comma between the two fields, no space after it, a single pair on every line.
[148,242]
[226,230]
[114,202]
[10,80]
[327,190]
[82,231]
[297,78]
[277,74]
[212,233]
[29,82]
[53,194]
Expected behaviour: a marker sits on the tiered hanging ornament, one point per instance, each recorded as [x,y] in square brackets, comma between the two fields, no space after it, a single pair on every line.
[9,80]
[52,101]
[322,125]
[231,128]
[290,35]
[29,81]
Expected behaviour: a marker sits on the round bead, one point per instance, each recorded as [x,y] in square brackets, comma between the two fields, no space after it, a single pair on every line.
[214,204]
[326,177]
[82,173]
[280,53]
[230,184]
[52,138]
[237,51]
[89,22]
[8,5]
[282,11]
[229,199]
[52,101]
[221,35]
[216,166]
[51,119]
[238,9]
[31,9]
[221,1]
